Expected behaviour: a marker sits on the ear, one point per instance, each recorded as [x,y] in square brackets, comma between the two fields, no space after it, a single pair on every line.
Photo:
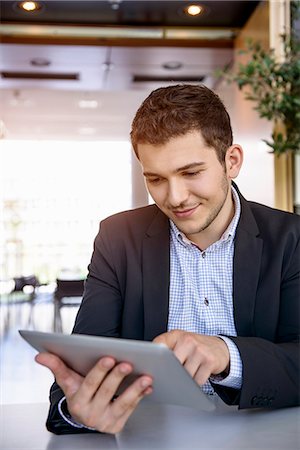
[233,160]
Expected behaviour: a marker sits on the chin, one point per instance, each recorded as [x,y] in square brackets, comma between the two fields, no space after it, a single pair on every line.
[186,229]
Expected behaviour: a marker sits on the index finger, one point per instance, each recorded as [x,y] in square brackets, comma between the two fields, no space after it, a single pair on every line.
[169,338]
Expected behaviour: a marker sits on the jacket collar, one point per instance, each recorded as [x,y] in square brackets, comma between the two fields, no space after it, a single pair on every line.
[156,270]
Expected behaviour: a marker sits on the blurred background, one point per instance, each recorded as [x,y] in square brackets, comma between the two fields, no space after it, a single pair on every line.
[73,74]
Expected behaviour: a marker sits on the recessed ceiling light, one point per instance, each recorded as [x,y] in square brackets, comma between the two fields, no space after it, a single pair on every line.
[40,62]
[172,65]
[115,4]
[194,10]
[86,131]
[88,104]
[29,6]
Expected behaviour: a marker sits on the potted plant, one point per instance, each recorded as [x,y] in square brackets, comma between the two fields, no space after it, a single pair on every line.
[274,87]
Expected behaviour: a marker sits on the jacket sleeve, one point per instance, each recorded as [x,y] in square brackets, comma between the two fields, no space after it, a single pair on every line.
[55,422]
[271,372]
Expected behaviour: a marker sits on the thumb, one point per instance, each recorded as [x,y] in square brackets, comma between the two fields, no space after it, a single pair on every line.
[66,378]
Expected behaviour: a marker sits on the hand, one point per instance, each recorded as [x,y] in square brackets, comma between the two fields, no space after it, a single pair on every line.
[201,355]
[89,398]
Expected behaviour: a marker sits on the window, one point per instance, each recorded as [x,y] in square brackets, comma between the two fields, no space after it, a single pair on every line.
[53,196]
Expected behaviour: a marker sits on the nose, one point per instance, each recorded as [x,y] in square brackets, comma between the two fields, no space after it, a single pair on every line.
[177,193]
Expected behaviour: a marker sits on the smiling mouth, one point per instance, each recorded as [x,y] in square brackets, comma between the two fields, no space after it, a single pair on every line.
[180,214]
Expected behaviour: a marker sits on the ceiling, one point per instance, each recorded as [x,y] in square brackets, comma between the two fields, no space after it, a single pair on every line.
[121,47]
[132,13]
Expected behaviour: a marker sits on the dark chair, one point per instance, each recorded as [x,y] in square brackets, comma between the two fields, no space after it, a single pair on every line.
[20,284]
[24,291]
[67,293]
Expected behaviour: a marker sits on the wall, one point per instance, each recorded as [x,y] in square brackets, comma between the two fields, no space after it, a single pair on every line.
[256,179]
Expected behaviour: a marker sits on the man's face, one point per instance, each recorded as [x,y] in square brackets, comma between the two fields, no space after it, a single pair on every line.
[189,184]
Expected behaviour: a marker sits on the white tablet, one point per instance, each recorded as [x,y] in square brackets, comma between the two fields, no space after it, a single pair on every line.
[171,382]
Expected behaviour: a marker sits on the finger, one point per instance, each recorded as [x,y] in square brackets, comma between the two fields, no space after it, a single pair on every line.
[182,352]
[102,377]
[185,349]
[126,403]
[132,395]
[202,374]
[191,365]
[169,339]
[135,391]
[177,342]
[123,419]
[111,383]
[96,411]
[195,358]
[66,378]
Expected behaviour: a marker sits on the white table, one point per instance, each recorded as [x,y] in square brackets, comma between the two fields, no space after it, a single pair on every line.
[160,427]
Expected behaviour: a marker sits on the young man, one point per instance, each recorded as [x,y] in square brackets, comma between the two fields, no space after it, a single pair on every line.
[215,277]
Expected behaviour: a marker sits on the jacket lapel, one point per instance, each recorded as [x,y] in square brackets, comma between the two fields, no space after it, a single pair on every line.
[246,269]
[156,267]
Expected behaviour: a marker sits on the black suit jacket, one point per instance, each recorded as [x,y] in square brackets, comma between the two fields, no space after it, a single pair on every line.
[127,293]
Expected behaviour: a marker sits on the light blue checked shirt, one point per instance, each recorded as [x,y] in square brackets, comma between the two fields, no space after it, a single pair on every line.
[200,298]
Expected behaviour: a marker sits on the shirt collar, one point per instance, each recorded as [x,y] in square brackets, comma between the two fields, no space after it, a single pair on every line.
[229,233]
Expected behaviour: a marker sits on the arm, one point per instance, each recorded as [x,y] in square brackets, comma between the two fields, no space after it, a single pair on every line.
[99,314]
[271,370]
[206,357]
[270,375]
[270,363]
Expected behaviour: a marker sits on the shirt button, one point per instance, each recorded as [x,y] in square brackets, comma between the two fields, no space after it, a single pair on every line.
[206,302]
[203,254]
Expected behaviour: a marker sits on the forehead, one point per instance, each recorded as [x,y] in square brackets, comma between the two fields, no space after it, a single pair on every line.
[175,153]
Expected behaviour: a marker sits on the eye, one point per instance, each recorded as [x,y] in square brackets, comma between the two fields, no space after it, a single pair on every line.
[154,180]
[191,174]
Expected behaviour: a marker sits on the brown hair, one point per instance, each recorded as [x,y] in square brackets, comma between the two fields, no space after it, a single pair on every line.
[176,110]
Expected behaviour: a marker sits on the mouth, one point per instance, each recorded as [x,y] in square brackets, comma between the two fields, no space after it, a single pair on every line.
[182,214]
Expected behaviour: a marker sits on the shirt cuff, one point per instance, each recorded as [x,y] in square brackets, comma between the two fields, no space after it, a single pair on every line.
[235,377]
[68,418]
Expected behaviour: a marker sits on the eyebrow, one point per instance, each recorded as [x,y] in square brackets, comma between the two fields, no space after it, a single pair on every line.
[180,169]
